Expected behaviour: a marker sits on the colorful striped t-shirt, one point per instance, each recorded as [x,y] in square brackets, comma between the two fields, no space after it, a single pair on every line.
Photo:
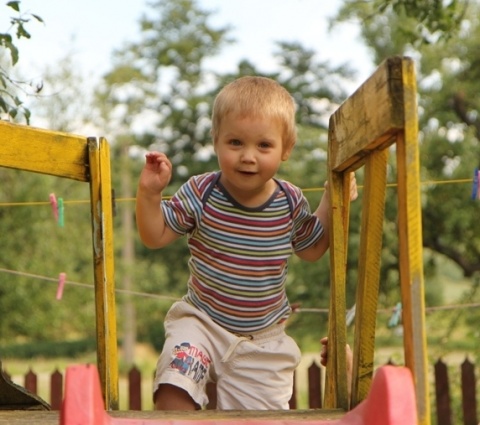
[239,255]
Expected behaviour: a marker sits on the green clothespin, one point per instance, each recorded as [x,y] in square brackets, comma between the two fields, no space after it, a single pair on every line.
[397,314]
[61,218]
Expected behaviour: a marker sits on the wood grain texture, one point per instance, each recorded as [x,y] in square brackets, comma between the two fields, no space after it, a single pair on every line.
[371,233]
[103,251]
[369,118]
[53,418]
[42,151]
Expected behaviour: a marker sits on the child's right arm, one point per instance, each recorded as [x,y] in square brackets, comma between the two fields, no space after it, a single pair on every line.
[154,178]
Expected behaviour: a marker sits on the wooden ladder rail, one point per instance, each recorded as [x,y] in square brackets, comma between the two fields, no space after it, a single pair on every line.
[86,160]
[382,112]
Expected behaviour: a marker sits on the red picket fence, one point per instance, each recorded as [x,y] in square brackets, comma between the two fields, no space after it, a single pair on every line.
[443,402]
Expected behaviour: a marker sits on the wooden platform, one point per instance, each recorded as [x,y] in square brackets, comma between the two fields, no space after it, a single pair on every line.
[53,418]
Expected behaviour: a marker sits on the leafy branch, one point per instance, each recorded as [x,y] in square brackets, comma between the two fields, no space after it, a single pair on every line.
[10,103]
[436,18]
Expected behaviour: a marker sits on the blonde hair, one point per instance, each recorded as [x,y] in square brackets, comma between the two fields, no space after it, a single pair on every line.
[256,96]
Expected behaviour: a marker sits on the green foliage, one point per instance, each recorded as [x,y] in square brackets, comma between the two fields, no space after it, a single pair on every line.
[34,248]
[412,22]
[434,18]
[10,103]
[48,349]
[18,23]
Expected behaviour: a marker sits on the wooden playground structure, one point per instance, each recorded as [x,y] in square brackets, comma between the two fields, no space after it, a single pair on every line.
[381,113]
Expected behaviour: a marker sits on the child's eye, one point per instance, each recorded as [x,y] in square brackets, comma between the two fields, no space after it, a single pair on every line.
[235,142]
[264,145]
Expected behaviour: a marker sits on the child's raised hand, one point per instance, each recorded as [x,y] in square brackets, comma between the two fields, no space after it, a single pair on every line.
[156,173]
[353,187]
[324,355]
[348,359]
[324,351]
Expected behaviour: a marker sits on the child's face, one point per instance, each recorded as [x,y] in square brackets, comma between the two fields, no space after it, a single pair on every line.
[250,151]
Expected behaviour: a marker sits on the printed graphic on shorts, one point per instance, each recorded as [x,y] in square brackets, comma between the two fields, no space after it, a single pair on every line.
[190,361]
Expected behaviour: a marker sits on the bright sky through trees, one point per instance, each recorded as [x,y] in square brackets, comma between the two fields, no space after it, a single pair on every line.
[91,29]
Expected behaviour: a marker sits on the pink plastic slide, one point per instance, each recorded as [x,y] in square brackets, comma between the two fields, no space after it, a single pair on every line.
[391,401]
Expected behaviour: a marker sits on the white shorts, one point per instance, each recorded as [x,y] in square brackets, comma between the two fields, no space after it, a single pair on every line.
[252,372]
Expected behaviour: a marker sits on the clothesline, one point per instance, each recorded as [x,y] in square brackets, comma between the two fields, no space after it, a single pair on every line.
[310,189]
[172,298]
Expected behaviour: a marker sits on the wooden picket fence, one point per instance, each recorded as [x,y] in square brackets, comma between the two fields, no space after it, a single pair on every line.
[443,401]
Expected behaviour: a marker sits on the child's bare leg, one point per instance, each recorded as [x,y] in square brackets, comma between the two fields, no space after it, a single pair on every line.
[170,397]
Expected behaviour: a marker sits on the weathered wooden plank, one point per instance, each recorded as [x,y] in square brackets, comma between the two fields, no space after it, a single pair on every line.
[336,391]
[369,118]
[53,418]
[411,247]
[244,415]
[102,228]
[25,417]
[373,208]
[43,151]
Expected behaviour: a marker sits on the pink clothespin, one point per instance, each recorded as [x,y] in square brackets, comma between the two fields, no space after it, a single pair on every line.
[61,283]
[53,202]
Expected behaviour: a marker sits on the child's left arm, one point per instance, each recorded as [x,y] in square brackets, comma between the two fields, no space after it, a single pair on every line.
[317,250]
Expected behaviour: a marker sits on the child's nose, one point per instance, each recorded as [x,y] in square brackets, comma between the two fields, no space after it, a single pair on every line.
[248,155]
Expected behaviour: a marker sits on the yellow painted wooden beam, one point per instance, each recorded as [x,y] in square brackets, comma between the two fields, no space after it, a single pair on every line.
[43,151]
[369,119]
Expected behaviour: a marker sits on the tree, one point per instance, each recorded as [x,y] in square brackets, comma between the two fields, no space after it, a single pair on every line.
[419,21]
[10,102]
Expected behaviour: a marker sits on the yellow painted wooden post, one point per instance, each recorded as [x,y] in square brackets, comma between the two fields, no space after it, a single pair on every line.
[72,156]
[380,113]
[410,241]
[102,228]
[336,394]
[373,213]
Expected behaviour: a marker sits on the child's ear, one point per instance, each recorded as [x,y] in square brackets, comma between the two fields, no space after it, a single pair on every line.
[286,153]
